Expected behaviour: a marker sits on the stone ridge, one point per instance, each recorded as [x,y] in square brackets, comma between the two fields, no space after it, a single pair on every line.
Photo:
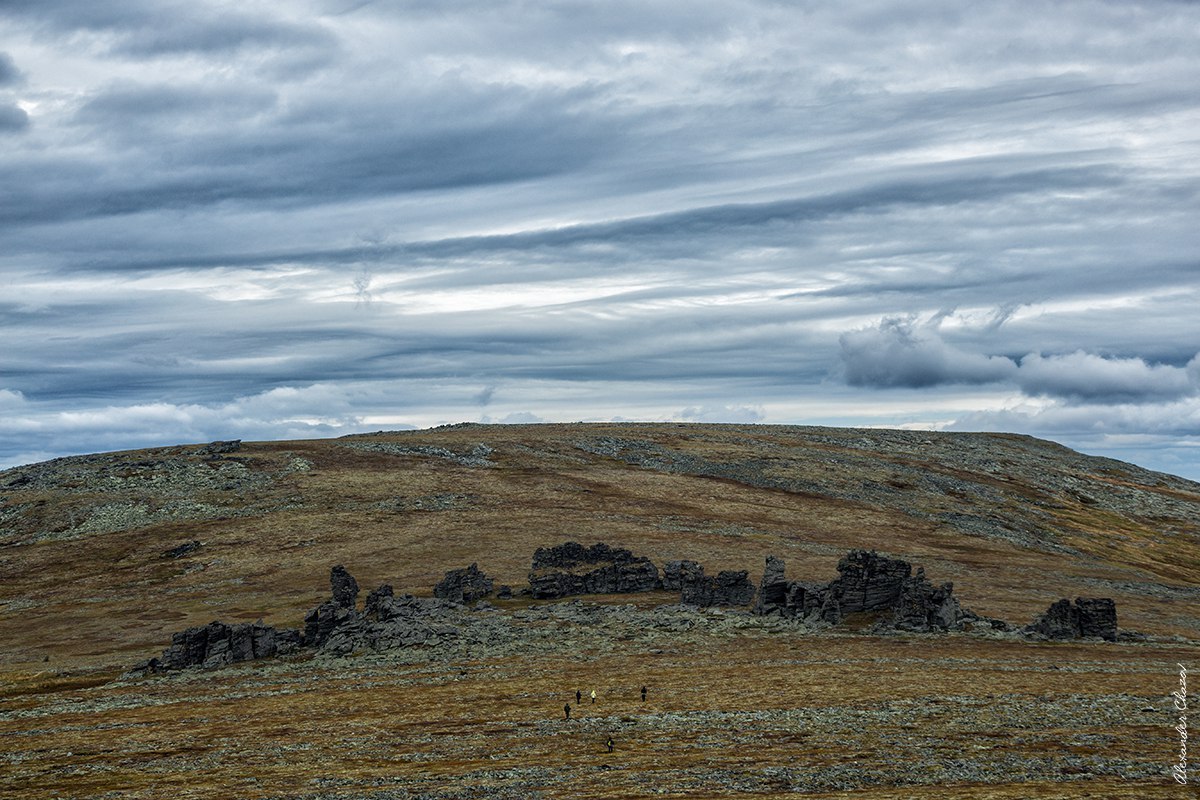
[868,583]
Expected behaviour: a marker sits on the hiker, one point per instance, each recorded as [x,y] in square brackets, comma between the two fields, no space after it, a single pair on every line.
[593,695]
[567,708]
[609,744]
[578,697]
[643,694]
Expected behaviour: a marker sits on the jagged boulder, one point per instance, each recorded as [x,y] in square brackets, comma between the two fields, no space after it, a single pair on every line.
[676,573]
[727,588]
[572,569]
[1087,617]
[464,585]
[218,644]
[344,587]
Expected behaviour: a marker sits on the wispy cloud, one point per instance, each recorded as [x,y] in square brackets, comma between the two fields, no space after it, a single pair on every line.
[277,219]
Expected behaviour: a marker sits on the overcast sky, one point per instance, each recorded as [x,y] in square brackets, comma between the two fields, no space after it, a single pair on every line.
[268,220]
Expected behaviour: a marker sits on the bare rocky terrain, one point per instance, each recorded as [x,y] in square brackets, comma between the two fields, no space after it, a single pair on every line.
[104,558]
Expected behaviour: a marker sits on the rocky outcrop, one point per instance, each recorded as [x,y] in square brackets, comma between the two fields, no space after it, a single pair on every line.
[922,606]
[345,588]
[218,644]
[572,569]
[727,588]
[869,582]
[1087,617]
[465,585]
[676,573]
[773,589]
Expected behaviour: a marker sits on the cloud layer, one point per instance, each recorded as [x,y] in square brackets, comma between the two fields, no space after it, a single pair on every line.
[326,216]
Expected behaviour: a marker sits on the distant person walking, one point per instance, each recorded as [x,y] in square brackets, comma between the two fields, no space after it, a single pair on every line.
[578,697]
[609,744]
[567,708]
[593,695]
[643,694]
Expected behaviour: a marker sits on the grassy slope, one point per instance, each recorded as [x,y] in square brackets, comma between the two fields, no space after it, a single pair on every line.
[101,601]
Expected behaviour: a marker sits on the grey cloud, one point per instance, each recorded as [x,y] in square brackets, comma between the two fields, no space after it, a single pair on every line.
[1081,376]
[145,28]
[13,119]
[898,354]
[9,74]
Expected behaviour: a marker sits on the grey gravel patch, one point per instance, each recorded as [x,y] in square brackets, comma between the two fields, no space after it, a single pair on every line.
[477,456]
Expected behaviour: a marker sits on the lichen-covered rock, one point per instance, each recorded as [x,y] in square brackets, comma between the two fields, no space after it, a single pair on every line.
[1088,617]
[727,588]
[464,585]
[344,587]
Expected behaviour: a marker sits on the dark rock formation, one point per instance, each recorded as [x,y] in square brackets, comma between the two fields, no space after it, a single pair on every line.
[728,588]
[187,548]
[220,448]
[376,599]
[320,623]
[675,573]
[573,554]
[1097,617]
[773,590]
[218,644]
[464,585]
[345,588]
[922,606]
[598,569]
[869,582]
[505,592]
[1088,617]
